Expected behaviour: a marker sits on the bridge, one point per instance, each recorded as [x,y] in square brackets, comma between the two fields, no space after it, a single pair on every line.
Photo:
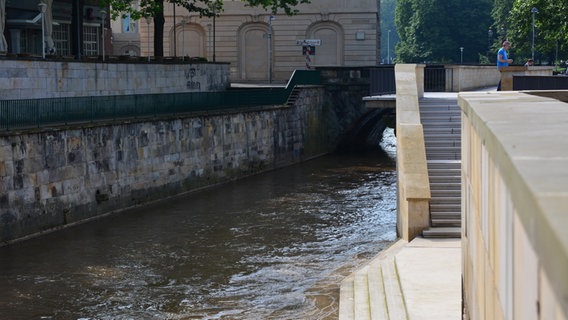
[500,252]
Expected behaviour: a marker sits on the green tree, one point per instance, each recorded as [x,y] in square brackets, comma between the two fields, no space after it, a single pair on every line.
[551,30]
[388,39]
[208,8]
[434,31]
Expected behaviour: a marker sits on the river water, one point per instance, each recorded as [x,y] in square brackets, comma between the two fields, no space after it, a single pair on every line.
[272,246]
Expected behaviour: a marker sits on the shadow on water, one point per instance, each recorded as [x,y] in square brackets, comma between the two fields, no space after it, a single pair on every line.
[272,246]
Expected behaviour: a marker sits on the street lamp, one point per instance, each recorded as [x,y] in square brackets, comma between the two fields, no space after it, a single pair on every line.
[103,17]
[42,7]
[175,35]
[182,32]
[214,16]
[489,38]
[461,56]
[533,11]
[270,48]
[388,48]
[148,20]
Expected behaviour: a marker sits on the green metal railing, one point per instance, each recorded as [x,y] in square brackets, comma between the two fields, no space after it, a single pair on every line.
[33,113]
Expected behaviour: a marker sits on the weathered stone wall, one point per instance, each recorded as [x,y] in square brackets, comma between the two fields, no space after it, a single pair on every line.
[53,178]
[28,79]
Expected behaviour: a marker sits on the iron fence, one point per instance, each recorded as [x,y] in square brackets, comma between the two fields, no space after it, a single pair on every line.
[435,78]
[559,82]
[382,80]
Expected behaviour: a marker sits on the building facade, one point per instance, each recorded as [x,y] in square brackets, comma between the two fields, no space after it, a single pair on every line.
[66,27]
[258,45]
[261,46]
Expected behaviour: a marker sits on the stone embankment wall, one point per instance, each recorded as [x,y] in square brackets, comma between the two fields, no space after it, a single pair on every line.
[28,79]
[57,177]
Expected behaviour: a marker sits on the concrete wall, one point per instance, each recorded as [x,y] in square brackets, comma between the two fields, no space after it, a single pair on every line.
[413,181]
[514,206]
[507,74]
[25,79]
[464,78]
[54,178]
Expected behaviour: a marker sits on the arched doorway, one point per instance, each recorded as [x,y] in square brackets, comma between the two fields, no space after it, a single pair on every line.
[190,41]
[330,52]
[253,53]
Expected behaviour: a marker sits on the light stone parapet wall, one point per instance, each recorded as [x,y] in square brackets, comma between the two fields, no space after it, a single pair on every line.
[413,181]
[514,206]
[34,79]
[464,78]
[507,74]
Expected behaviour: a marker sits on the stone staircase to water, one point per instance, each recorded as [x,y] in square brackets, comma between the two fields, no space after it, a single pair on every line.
[374,291]
[441,120]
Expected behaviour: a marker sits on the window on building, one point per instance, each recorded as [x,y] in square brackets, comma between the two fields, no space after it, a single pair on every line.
[129,25]
[61,39]
[91,40]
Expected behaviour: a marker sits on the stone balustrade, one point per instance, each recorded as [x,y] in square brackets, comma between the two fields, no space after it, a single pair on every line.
[514,205]
[413,182]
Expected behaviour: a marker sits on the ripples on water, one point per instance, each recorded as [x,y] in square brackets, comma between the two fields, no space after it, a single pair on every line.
[273,246]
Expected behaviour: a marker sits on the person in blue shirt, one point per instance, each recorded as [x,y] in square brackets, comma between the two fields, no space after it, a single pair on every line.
[503,59]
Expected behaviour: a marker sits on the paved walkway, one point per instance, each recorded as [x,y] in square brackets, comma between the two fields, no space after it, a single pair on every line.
[430,278]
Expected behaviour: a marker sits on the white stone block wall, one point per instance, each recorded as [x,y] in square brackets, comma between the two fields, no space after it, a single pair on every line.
[21,79]
[514,206]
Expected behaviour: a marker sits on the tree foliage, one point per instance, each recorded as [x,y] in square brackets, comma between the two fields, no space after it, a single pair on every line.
[387,23]
[551,29]
[150,8]
[434,31]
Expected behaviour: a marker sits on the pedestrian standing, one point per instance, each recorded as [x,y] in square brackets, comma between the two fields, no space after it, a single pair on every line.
[503,58]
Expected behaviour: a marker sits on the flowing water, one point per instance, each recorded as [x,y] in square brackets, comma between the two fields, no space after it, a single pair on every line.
[273,246]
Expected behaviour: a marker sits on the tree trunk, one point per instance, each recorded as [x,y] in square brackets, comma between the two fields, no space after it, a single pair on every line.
[159,30]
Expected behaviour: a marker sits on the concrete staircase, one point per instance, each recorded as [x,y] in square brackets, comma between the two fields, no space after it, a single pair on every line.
[441,120]
[374,291]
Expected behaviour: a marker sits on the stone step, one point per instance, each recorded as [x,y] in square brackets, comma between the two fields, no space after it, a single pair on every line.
[442,232]
[394,298]
[443,143]
[452,186]
[445,193]
[442,156]
[347,298]
[444,124]
[438,171]
[446,223]
[373,292]
[448,163]
[362,306]
[377,294]
[446,201]
[430,120]
[439,130]
[436,180]
[442,207]
[446,215]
